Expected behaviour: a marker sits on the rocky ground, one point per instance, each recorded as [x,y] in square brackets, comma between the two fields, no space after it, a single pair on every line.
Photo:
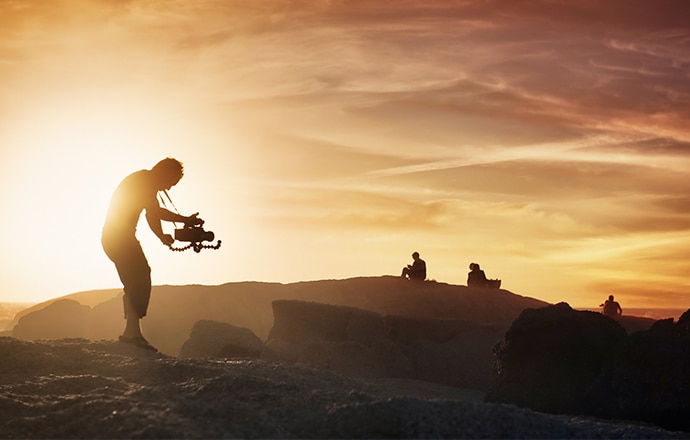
[75,388]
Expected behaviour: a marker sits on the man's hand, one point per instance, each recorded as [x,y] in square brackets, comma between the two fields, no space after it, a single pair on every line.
[193,220]
[167,239]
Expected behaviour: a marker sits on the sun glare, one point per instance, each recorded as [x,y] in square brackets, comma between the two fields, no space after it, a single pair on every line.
[68,155]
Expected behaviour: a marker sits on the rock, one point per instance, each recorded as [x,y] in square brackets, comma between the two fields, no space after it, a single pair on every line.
[558,360]
[345,340]
[356,359]
[360,343]
[404,330]
[301,321]
[219,339]
[683,326]
[647,379]
[464,361]
[549,356]
[278,349]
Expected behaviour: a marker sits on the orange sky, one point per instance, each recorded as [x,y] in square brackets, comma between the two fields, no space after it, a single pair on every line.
[546,140]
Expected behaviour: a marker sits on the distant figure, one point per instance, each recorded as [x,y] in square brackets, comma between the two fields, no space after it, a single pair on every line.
[416,270]
[611,308]
[477,278]
[136,193]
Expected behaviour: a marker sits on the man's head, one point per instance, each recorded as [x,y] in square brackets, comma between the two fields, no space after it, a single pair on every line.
[167,173]
[415,255]
[610,297]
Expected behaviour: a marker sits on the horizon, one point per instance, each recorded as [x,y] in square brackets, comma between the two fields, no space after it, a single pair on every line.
[546,141]
[642,312]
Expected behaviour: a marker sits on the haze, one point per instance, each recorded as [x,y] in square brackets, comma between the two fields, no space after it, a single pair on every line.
[546,140]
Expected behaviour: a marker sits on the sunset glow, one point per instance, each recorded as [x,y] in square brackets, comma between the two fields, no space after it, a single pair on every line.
[546,140]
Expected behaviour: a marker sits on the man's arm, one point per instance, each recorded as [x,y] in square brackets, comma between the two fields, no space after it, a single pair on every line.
[168,216]
[155,214]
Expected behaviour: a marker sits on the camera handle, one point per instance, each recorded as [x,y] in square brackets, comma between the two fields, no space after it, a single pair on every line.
[196,245]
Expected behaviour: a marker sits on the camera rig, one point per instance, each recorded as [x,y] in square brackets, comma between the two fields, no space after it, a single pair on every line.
[193,233]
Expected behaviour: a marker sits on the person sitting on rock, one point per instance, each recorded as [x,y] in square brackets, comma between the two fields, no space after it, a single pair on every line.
[611,308]
[476,277]
[416,270]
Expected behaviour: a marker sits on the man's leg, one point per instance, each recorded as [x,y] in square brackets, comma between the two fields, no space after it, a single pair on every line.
[135,301]
[137,283]
[132,327]
[135,274]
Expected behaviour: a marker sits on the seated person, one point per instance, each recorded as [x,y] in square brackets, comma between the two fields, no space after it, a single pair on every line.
[611,308]
[476,277]
[415,271]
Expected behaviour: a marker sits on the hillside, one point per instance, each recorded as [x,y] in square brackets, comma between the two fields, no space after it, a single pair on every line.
[175,309]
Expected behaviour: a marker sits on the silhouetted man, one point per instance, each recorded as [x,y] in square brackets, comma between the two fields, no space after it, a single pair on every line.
[136,193]
[476,277]
[611,308]
[415,271]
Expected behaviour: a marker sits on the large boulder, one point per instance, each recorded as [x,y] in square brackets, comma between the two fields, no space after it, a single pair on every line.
[648,377]
[559,360]
[219,339]
[406,329]
[362,343]
[464,361]
[549,357]
[301,321]
[343,339]
[454,352]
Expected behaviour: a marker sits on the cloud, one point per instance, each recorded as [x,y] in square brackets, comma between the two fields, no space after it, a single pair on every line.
[516,129]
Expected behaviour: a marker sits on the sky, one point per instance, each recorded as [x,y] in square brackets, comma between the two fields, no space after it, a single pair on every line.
[545,140]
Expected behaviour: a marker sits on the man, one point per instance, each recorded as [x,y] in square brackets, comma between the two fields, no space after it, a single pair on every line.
[136,193]
[611,308]
[416,271]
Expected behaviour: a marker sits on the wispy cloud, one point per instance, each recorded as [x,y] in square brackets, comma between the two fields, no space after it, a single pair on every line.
[528,133]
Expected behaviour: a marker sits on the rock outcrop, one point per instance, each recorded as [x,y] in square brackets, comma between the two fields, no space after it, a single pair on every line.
[362,343]
[647,378]
[559,360]
[301,321]
[219,339]
[346,340]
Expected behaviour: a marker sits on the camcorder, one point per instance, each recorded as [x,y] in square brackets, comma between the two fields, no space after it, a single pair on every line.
[194,234]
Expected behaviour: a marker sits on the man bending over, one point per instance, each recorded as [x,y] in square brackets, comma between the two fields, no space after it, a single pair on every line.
[136,193]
